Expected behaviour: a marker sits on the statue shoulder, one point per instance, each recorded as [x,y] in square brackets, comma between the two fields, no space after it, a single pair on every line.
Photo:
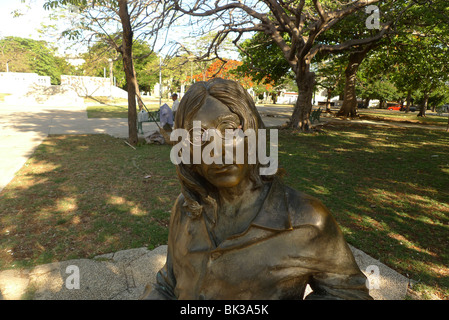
[183,207]
[307,210]
[177,208]
[179,201]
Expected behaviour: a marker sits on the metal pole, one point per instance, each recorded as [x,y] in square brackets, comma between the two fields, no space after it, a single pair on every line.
[110,71]
[160,81]
[110,78]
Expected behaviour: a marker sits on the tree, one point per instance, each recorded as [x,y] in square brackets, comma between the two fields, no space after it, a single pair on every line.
[430,62]
[300,22]
[226,70]
[262,60]
[416,56]
[357,26]
[418,64]
[196,50]
[28,55]
[329,76]
[349,106]
[113,20]
[97,60]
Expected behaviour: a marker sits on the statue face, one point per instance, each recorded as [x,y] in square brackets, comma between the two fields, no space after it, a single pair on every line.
[215,115]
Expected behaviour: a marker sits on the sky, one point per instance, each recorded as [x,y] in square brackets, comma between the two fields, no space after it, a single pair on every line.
[26,25]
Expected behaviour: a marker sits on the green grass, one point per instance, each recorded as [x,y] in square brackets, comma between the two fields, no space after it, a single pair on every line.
[81,196]
[107,111]
[401,116]
[388,189]
[117,108]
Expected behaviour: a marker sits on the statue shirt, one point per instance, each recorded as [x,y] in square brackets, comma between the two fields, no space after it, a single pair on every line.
[293,241]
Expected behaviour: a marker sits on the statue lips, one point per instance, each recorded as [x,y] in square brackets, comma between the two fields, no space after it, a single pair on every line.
[221,168]
[224,175]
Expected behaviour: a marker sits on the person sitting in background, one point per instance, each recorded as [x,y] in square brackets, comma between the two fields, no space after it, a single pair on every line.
[166,117]
[175,105]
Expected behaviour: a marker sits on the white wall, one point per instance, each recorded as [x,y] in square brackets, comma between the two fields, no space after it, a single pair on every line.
[19,82]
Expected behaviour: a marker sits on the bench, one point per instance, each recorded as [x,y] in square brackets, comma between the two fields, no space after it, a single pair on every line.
[144,116]
[315,115]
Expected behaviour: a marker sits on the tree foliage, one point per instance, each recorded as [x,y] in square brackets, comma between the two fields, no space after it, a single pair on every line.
[297,28]
[97,60]
[34,56]
[263,60]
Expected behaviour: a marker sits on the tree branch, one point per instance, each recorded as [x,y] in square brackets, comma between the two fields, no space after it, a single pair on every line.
[347,44]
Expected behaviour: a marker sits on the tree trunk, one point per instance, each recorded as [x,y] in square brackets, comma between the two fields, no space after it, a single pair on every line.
[366,103]
[303,107]
[128,64]
[423,106]
[139,97]
[408,101]
[349,106]
[328,100]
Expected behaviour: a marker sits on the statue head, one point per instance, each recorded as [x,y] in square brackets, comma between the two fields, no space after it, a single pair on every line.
[219,104]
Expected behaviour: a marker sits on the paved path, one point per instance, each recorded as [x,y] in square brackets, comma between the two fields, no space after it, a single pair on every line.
[121,275]
[23,129]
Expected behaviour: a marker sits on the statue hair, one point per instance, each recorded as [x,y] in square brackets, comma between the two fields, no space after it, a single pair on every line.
[198,193]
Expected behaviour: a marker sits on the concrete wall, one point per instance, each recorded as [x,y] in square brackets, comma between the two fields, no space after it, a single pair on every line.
[20,82]
[93,86]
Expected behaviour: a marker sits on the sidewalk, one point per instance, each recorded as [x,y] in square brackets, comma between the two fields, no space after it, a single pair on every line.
[22,130]
[124,274]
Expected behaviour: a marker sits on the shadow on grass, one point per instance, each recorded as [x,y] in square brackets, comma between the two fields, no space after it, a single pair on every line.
[388,189]
[80,196]
[99,101]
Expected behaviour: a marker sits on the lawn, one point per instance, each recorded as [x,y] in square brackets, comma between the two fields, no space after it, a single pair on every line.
[401,116]
[103,107]
[81,196]
[388,189]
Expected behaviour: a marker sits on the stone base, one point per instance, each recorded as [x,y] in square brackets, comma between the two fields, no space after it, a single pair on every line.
[123,276]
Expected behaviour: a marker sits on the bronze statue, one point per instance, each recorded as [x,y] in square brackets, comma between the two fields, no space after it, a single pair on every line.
[236,234]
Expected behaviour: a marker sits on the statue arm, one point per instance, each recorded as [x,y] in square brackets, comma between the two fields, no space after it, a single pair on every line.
[163,289]
[337,276]
[333,286]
